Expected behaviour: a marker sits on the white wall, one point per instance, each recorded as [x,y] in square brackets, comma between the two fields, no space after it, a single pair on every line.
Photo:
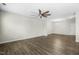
[16,27]
[0,28]
[77,27]
[65,26]
[0,25]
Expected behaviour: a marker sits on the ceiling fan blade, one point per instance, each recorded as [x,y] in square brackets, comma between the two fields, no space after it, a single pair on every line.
[48,14]
[45,12]
[45,15]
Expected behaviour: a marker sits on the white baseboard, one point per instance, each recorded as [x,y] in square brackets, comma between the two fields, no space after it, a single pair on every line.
[77,40]
[28,38]
[20,39]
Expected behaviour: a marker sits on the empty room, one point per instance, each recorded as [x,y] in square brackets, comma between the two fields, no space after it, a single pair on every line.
[39,29]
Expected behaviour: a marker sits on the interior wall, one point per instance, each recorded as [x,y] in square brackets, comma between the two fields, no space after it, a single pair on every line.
[77,27]
[0,25]
[16,27]
[65,26]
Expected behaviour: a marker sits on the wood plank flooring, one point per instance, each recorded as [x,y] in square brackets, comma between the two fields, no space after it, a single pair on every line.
[51,45]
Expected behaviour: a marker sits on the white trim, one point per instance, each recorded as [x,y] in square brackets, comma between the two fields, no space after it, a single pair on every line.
[21,39]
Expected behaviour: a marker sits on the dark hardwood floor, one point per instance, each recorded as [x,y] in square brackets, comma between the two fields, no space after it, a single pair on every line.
[51,45]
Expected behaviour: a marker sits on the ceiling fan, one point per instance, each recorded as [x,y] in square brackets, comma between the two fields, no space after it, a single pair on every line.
[44,14]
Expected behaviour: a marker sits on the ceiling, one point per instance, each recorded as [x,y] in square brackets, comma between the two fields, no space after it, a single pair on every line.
[58,10]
